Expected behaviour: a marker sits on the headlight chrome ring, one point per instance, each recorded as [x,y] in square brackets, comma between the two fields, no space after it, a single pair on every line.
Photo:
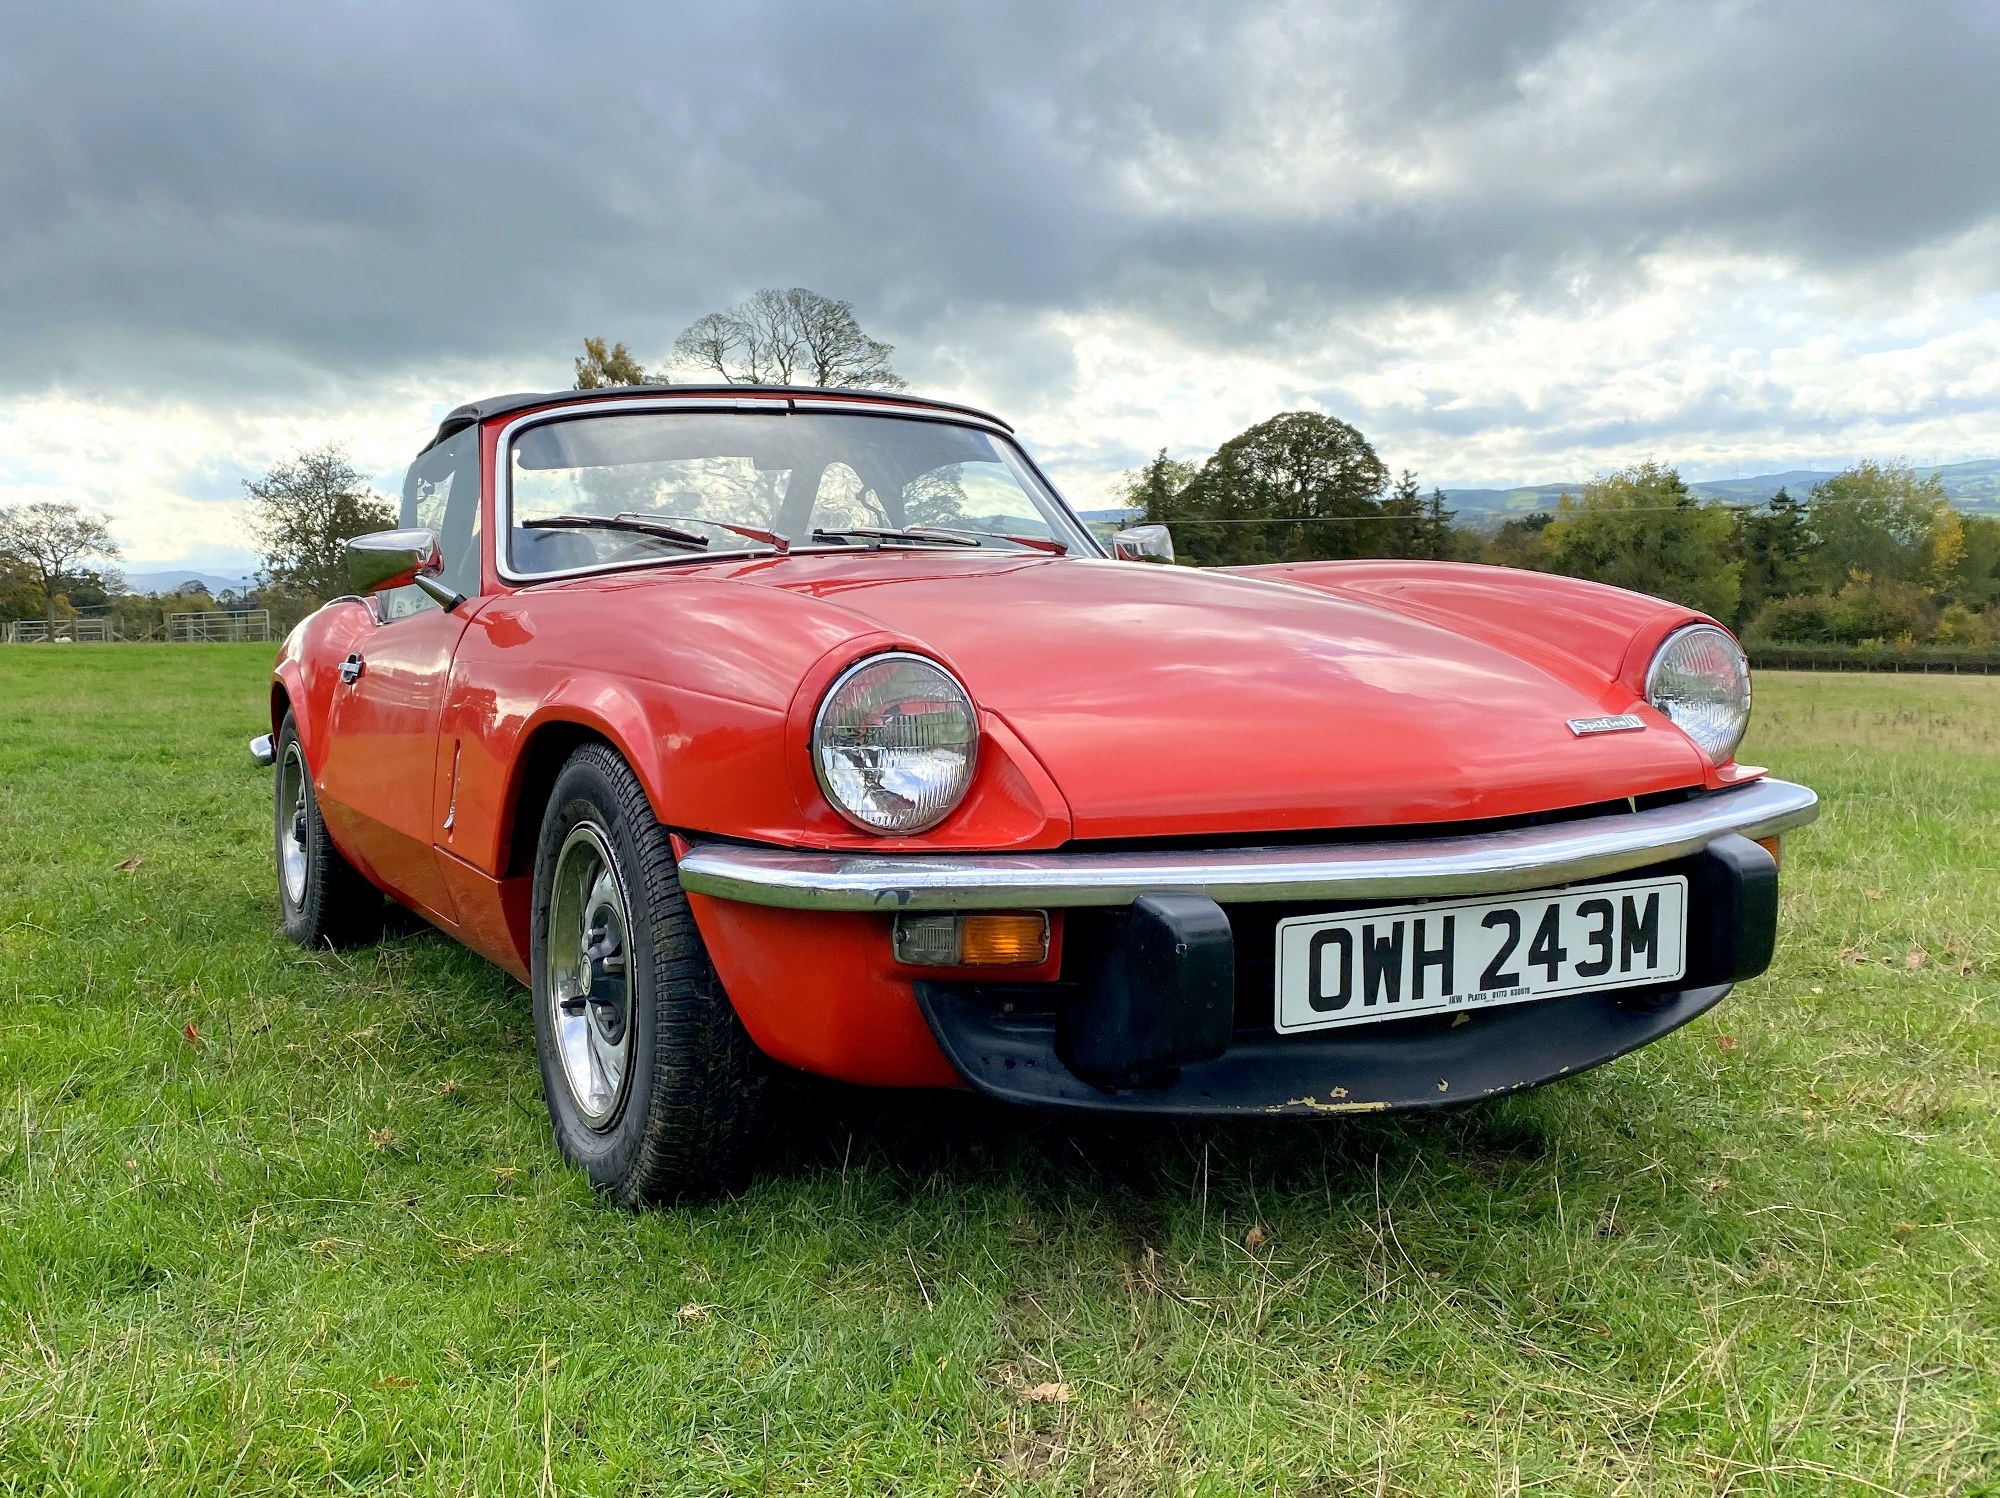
[894,743]
[1700,679]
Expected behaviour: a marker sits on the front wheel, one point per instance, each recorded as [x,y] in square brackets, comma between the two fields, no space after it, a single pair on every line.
[653,1087]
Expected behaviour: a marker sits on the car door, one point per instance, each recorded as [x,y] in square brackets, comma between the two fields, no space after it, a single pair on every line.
[379,778]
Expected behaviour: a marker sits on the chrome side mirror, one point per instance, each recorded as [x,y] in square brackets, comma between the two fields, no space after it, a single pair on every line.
[1143,543]
[382,560]
[391,559]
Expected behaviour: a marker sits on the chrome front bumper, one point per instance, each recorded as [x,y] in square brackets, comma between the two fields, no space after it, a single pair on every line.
[1416,868]
[263,751]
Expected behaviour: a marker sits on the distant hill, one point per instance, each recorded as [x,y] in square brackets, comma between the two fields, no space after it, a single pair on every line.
[1972,486]
[166,582]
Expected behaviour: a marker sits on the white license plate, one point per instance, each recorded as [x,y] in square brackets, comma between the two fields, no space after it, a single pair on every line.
[1364,966]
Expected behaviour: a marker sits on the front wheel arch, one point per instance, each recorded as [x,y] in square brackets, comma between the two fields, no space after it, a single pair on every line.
[546,749]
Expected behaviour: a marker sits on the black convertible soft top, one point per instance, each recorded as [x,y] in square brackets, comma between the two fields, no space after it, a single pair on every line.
[502,405]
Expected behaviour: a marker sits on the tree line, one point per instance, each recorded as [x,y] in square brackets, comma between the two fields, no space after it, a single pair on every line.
[56,558]
[1874,556]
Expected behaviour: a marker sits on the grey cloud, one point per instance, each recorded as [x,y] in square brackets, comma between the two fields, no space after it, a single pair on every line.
[230,196]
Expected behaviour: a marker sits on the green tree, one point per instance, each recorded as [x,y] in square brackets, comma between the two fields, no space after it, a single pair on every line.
[1887,609]
[599,368]
[1401,533]
[1881,519]
[303,513]
[1435,539]
[1802,619]
[1155,490]
[140,616]
[1777,547]
[92,588]
[1978,584]
[47,540]
[20,595]
[1639,528]
[288,605]
[1289,489]
[189,598]
[1521,542]
[790,337]
[1966,629]
[1158,491]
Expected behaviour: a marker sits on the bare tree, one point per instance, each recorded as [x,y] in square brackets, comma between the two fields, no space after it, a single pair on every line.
[305,511]
[598,367]
[717,342]
[47,540]
[794,337]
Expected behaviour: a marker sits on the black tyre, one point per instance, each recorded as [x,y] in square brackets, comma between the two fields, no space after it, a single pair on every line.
[654,1089]
[326,902]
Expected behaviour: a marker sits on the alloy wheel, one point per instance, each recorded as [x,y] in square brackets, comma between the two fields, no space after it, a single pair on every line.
[292,829]
[589,976]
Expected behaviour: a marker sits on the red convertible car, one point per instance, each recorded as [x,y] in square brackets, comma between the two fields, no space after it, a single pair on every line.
[756,727]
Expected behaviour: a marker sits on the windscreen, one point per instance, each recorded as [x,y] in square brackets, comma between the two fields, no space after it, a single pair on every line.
[815,479]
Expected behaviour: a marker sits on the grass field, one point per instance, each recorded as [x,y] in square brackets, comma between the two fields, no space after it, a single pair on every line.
[273,1220]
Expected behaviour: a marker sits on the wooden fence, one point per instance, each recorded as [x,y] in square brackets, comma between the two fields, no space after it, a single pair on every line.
[77,631]
[219,626]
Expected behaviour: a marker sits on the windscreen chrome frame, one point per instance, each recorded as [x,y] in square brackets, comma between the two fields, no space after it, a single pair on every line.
[503,474]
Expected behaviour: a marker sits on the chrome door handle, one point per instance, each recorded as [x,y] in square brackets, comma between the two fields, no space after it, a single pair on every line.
[350,669]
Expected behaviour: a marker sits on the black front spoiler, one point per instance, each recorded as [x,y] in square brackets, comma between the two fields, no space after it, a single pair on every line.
[1494,1051]
[1131,1034]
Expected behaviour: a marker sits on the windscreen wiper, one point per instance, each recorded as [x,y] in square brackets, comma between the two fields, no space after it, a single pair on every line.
[881,535]
[637,523]
[1033,543]
[942,535]
[778,543]
[661,526]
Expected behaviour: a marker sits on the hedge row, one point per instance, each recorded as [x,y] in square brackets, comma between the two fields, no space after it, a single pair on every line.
[1864,658]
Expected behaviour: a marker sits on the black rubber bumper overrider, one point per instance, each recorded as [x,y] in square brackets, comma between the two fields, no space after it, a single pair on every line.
[1024,1053]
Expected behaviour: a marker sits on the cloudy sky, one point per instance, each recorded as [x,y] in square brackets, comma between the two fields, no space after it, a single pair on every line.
[1512,240]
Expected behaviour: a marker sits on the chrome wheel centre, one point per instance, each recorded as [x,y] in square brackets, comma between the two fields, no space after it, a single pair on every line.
[292,824]
[590,981]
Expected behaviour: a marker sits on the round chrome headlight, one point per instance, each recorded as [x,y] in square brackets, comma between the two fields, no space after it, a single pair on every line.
[1700,679]
[894,743]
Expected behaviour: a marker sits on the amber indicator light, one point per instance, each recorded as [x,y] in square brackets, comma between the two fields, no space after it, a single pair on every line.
[1013,938]
[1775,846]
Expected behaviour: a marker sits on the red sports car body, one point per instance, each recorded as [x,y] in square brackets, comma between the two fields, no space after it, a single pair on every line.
[756,725]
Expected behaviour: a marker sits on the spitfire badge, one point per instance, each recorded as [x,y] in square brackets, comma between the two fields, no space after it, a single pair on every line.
[1610,723]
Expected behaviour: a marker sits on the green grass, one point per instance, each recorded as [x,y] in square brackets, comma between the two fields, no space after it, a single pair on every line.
[282,1221]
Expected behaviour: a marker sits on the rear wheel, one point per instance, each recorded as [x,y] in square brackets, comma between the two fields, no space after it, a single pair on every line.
[326,901]
[653,1087]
